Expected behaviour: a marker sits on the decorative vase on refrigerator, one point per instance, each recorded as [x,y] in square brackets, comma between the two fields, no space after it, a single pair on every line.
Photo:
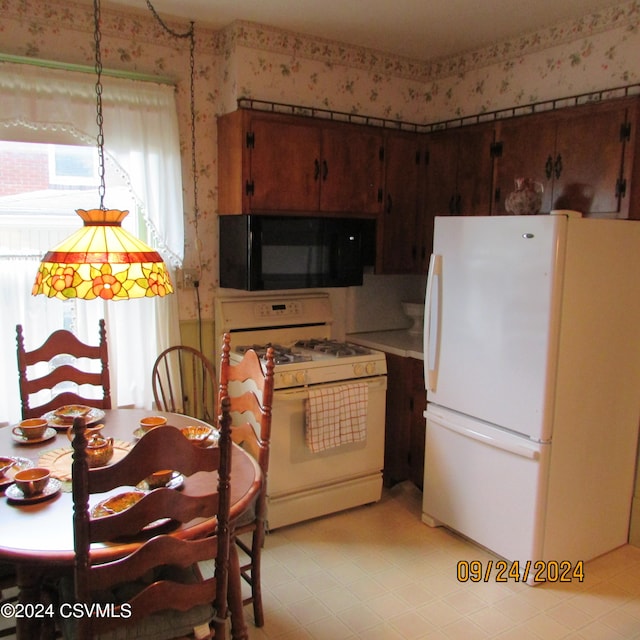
[532,368]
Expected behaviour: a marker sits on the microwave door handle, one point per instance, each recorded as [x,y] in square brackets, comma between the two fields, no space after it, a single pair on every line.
[432,343]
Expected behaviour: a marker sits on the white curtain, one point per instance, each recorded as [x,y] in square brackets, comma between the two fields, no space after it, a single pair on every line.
[142,145]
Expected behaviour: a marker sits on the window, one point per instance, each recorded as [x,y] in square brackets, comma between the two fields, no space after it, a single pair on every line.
[70,165]
[47,171]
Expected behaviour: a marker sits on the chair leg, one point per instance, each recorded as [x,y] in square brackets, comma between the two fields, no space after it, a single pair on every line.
[256,579]
[238,626]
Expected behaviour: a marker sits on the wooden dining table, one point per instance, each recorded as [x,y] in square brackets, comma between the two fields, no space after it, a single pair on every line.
[37,537]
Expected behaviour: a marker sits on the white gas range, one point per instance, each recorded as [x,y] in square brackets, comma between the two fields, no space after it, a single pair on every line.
[303,484]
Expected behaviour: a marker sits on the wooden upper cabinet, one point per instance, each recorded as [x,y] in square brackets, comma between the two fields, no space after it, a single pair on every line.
[589,155]
[274,163]
[284,169]
[401,230]
[440,187]
[579,155]
[351,169]
[460,171]
[475,170]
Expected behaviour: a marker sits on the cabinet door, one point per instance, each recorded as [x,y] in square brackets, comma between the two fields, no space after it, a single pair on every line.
[460,171]
[285,170]
[588,161]
[417,421]
[405,422]
[351,170]
[441,174]
[527,147]
[396,464]
[426,213]
[402,165]
[475,170]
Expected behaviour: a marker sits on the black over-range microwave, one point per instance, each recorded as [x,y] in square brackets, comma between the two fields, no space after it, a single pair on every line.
[259,252]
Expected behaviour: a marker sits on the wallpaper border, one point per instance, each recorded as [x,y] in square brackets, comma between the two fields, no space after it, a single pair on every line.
[266,38]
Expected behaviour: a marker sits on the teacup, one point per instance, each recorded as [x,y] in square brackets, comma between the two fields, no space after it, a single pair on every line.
[159,478]
[32,428]
[151,422]
[32,481]
[5,465]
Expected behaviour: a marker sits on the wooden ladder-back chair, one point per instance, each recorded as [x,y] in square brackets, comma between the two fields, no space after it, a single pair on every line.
[249,388]
[184,381]
[157,580]
[8,594]
[61,350]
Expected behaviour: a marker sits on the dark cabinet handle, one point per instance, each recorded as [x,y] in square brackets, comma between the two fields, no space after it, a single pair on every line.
[548,168]
[558,166]
[325,170]
[389,204]
[316,169]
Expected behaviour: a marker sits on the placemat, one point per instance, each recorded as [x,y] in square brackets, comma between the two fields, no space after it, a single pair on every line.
[58,461]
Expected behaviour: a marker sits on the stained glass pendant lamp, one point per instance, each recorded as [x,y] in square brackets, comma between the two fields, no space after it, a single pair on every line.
[102,260]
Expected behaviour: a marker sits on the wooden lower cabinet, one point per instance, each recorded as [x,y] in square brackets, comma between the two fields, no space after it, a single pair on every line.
[405,422]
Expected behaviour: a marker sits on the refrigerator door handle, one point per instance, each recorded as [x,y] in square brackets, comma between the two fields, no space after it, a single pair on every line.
[433,314]
[525,452]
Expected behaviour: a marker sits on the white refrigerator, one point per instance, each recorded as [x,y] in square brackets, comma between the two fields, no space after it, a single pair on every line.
[532,369]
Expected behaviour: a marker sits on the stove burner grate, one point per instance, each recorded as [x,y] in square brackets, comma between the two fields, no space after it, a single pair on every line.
[281,354]
[333,347]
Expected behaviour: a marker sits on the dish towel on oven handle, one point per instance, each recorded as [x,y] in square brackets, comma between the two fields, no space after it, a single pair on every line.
[336,415]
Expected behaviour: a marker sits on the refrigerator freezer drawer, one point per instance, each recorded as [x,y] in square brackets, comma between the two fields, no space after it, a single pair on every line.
[483,484]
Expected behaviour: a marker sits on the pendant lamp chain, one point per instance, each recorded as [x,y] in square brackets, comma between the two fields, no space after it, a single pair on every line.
[192,62]
[102,259]
[99,120]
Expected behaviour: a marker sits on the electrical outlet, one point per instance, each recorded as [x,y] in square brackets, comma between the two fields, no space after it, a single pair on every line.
[190,277]
[187,278]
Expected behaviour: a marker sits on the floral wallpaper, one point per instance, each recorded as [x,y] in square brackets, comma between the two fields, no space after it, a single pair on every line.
[597,52]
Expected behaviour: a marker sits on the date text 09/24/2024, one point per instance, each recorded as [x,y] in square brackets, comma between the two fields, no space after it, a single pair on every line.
[537,571]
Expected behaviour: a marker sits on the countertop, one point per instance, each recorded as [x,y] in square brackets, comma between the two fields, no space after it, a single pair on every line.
[399,342]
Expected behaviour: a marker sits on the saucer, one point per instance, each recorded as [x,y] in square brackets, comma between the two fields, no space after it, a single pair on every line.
[15,495]
[49,433]
[61,419]
[138,433]
[176,481]
[21,463]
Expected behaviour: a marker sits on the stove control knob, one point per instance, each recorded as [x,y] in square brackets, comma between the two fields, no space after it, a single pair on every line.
[287,379]
[371,368]
[301,377]
[358,369]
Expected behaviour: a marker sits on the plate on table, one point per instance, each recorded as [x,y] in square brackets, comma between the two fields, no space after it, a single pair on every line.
[49,433]
[14,494]
[176,481]
[20,464]
[116,504]
[121,502]
[63,417]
